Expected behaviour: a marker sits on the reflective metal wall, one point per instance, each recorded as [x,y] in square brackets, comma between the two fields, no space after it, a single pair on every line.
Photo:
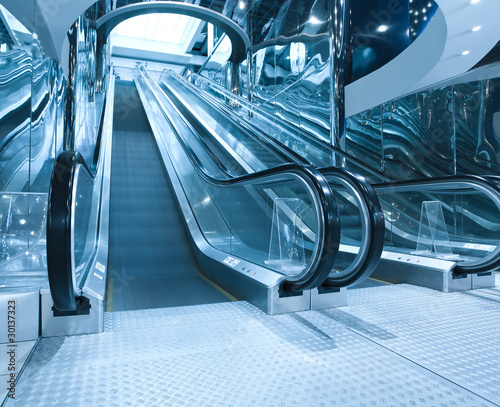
[31,102]
[443,131]
[289,71]
[87,98]
[477,126]
[291,62]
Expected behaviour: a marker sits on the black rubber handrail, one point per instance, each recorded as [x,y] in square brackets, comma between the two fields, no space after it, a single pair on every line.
[60,254]
[485,184]
[375,225]
[304,135]
[329,222]
[269,143]
[182,114]
[374,218]
[59,230]
[489,263]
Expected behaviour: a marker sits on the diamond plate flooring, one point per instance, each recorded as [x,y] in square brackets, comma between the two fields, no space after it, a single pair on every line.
[396,345]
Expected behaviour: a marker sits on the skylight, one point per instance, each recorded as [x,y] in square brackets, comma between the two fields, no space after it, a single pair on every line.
[150,31]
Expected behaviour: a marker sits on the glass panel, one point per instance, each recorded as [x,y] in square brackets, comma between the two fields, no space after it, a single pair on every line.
[23,258]
[477,115]
[86,205]
[237,218]
[433,236]
[24,147]
[352,226]
[418,135]
[470,218]
[286,248]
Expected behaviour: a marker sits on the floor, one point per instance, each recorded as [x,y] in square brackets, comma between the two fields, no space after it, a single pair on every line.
[393,345]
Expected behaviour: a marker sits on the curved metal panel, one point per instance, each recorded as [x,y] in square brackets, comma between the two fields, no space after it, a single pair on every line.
[239,39]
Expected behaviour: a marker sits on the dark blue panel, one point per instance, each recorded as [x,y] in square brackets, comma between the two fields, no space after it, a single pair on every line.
[379,32]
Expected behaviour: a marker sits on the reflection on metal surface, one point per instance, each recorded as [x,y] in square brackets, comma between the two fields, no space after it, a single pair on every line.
[362,226]
[364,138]
[32,100]
[418,135]
[442,131]
[291,66]
[340,62]
[23,258]
[477,114]
[471,209]
[251,194]
[15,111]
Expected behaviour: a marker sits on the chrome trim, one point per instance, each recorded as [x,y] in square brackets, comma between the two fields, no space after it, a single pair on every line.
[72,211]
[239,38]
[453,183]
[328,249]
[340,50]
[95,285]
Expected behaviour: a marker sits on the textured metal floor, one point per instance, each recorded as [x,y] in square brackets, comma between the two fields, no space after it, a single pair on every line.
[396,345]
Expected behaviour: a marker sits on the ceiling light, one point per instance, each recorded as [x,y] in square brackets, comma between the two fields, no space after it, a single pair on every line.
[314,20]
[466,53]
[474,1]
[476,28]
[382,28]
[241,4]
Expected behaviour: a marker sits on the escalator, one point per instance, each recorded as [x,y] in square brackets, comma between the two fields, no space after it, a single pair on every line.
[150,264]
[467,206]
[148,184]
[360,213]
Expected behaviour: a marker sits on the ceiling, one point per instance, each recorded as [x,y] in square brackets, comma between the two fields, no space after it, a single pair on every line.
[162,37]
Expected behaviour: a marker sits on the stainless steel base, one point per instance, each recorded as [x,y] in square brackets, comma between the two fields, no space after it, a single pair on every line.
[71,325]
[437,274]
[483,280]
[322,300]
[24,315]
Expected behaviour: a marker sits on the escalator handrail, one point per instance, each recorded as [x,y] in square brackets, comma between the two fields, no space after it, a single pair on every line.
[200,139]
[60,219]
[310,139]
[281,151]
[373,218]
[486,185]
[371,211]
[60,211]
[488,263]
[328,233]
